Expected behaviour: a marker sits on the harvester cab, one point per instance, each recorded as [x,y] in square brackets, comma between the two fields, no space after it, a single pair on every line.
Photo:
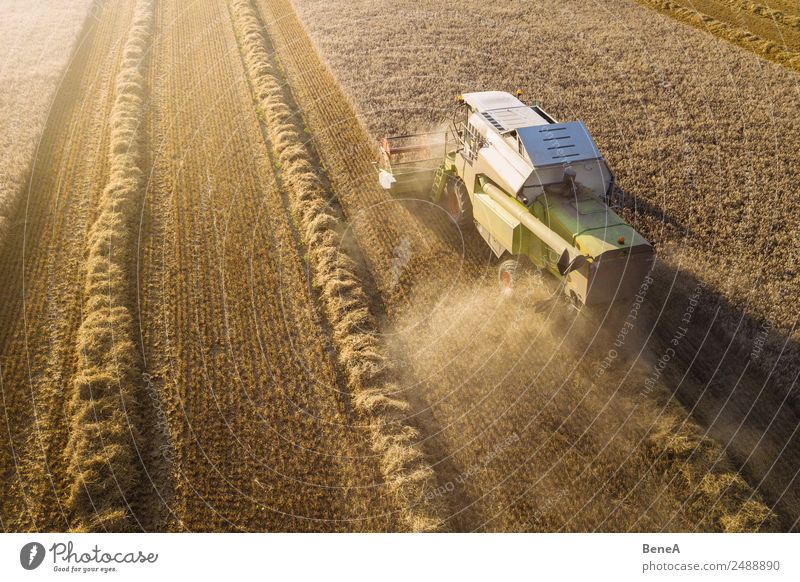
[535,189]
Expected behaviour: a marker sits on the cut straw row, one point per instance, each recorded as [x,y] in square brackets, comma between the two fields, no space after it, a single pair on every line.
[405,470]
[102,450]
[699,466]
[764,47]
[765,11]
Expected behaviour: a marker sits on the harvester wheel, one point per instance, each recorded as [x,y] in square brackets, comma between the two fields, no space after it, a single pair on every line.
[455,201]
[507,274]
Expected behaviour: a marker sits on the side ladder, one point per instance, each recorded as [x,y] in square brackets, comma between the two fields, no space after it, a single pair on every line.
[439,181]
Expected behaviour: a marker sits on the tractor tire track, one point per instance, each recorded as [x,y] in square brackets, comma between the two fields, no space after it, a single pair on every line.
[44,278]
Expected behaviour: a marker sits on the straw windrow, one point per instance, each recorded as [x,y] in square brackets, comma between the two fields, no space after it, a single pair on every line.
[404,468]
[699,466]
[730,32]
[102,451]
[765,11]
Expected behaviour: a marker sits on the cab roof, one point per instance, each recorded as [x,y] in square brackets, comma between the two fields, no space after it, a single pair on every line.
[488,100]
[504,112]
[558,143]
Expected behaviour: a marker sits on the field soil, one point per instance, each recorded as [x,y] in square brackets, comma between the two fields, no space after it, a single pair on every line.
[44,276]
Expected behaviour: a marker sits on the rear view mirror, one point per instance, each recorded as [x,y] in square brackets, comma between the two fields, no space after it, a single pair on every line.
[565,266]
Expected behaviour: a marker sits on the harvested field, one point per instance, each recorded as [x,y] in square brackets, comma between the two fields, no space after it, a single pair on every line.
[214,319]
[103,448]
[767,31]
[354,332]
[44,287]
[207,392]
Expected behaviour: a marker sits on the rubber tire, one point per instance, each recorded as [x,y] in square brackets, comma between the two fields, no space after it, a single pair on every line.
[507,274]
[574,301]
[455,201]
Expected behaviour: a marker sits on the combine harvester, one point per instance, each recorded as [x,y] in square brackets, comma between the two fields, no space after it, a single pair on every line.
[536,190]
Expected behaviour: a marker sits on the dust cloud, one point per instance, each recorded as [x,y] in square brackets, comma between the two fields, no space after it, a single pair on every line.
[537,418]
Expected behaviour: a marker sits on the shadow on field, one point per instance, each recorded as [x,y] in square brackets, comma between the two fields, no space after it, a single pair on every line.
[497,388]
[737,377]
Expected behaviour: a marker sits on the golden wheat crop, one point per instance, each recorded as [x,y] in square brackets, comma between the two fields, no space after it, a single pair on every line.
[738,113]
[398,88]
[37,40]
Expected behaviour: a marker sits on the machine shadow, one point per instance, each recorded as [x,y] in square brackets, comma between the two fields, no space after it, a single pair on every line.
[736,375]
[734,372]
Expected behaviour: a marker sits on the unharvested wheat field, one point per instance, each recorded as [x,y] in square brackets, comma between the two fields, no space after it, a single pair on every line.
[214,319]
[37,41]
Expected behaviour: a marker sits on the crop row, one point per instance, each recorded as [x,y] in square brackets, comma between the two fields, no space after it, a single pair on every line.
[399,237]
[44,276]
[764,47]
[404,468]
[103,409]
[766,12]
